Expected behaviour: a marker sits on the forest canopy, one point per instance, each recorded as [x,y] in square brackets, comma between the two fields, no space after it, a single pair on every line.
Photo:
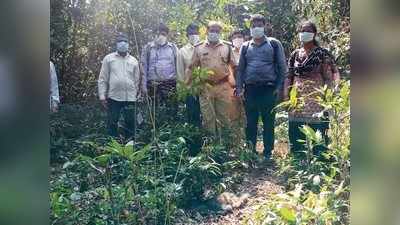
[83,31]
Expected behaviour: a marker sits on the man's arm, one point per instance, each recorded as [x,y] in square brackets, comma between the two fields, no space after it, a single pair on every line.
[282,68]
[232,65]
[54,91]
[180,66]
[195,63]
[144,65]
[103,82]
[240,71]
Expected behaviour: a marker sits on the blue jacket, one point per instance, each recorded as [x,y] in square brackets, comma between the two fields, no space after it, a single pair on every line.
[261,64]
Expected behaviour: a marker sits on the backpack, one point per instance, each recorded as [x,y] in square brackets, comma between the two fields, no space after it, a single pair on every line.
[273,43]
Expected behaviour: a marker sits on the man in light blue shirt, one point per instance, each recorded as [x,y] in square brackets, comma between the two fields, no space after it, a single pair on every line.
[158,61]
[54,93]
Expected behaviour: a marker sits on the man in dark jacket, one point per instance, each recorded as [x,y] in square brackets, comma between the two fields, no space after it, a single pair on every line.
[261,71]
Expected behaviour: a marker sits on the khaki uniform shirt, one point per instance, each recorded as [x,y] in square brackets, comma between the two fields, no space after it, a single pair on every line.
[218,59]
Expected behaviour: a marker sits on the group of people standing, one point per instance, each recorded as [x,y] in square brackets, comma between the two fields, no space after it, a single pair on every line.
[248,78]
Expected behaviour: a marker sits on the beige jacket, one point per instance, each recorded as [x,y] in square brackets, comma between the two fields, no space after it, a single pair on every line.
[184,58]
[119,78]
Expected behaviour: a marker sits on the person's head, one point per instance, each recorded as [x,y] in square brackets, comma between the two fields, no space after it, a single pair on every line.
[237,38]
[214,29]
[247,36]
[162,34]
[257,24]
[308,32]
[122,43]
[192,33]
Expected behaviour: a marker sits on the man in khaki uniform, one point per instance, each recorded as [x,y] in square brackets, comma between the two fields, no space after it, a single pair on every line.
[219,107]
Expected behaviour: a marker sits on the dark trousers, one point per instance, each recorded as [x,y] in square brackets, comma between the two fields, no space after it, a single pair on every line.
[162,95]
[193,110]
[260,100]
[114,112]
[295,134]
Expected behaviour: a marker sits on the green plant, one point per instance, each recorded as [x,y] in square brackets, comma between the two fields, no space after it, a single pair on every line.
[198,82]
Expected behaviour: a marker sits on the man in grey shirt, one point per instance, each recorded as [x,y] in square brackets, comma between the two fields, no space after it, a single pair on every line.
[158,61]
[261,71]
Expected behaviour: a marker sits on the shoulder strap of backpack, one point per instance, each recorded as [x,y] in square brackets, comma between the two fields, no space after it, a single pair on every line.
[244,50]
[148,49]
[174,48]
[274,45]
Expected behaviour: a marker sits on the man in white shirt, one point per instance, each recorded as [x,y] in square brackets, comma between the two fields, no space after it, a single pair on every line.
[184,58]
[119,86]
[54,93]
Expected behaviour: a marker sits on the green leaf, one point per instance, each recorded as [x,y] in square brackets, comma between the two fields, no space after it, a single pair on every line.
[103,159]
[289,214]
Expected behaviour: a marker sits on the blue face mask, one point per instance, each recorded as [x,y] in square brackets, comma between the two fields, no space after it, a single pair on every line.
[213,37]
[122,46]
[257,32]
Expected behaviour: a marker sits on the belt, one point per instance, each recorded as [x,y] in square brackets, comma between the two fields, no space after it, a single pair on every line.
[261,84]
[218,82]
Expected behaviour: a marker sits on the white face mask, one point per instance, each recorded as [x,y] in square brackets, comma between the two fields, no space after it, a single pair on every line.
[122,46]
[161,40]
[306,37]
[213,37]
[257,32]
[237,42]
[194,39]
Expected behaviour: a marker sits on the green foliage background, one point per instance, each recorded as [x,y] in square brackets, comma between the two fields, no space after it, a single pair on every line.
[83,31]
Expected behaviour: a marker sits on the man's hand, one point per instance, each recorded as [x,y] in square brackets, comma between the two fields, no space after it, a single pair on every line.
[238,92]
[279,96]
[54,109]
[104,103]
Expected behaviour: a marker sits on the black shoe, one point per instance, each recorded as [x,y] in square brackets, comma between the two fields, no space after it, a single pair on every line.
[267,157]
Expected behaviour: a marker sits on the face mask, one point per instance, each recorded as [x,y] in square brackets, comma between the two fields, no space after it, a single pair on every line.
[257,32]
[306,37]
[237,42]
[194,39]
[122,46]
[213,37]
[161,40]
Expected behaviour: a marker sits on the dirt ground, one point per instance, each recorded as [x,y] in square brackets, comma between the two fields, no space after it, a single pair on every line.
[260,184]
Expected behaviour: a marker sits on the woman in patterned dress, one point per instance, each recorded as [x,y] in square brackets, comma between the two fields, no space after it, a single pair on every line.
[310,67]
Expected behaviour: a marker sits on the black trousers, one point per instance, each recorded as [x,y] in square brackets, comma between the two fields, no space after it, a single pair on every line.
[114,112]
[260,101]
[297,148]
[193,110]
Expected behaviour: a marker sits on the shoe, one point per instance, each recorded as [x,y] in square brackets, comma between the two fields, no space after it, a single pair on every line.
[267,157]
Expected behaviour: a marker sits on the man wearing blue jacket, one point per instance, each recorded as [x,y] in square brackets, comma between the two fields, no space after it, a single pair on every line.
[261,71]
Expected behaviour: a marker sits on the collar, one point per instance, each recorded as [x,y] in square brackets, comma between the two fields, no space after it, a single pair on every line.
[154,44]
[189,46]
[118,55]
[219,43]
[252,42]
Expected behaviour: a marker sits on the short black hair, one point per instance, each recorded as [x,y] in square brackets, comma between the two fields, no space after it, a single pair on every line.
[236,31]
[162,27]
[121,37]
[214,23]
[192,27]
[308,23]
[257,17]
